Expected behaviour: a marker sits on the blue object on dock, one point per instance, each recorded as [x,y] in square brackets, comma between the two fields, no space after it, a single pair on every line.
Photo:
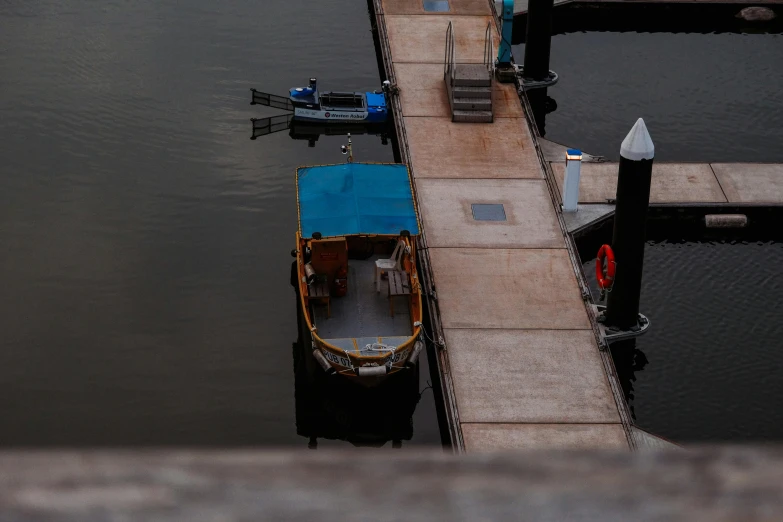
[504,48]
[573,152]
[355,199]
[488,212]
[436,6]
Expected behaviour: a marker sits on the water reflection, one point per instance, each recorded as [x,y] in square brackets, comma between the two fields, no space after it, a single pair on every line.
[311,131]
[628,360]
[332,407]
[708,368]
[541,104]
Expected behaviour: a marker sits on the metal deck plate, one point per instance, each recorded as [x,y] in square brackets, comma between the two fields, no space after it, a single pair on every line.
[488,212]
[436,6]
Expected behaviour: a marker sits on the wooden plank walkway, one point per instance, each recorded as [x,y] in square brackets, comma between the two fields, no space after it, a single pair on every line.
[523,362]
[687,183]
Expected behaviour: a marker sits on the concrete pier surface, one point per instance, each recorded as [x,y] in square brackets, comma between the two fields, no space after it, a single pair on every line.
[521,360]
[745,183]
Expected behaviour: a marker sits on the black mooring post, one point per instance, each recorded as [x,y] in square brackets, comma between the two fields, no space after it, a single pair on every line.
[630,223]
[538,39]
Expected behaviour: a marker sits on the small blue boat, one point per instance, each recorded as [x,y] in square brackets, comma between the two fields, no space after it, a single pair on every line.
[308,104]
[311,105]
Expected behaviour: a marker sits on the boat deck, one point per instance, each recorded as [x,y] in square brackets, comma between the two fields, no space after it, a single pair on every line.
[363,314]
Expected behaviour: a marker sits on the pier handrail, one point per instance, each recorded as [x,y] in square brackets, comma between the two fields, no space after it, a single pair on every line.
[449,57]
[488,62]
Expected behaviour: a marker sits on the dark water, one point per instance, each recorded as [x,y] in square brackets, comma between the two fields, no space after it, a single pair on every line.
[709,368]
[704,97]
[145,268]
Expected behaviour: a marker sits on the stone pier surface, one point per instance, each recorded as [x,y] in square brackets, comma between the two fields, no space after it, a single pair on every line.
[524,363]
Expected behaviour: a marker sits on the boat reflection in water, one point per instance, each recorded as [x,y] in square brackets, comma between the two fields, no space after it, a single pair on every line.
[335,408]
[311,131]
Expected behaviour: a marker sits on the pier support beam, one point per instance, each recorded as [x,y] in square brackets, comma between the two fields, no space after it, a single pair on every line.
[538,40]
[630,222]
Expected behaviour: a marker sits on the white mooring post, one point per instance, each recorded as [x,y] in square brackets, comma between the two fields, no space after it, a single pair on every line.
[571,182]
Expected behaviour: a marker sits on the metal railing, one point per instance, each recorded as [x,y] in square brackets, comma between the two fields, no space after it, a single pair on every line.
[489,63]
[264,126]
[449,57]
[271,100]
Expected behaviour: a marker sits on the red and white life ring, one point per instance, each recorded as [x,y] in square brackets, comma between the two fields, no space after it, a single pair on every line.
[605,279]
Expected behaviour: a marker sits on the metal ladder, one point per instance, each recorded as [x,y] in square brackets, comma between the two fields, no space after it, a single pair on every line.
[469,86]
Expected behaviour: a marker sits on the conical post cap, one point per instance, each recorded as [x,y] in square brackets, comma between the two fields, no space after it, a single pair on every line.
[638,145]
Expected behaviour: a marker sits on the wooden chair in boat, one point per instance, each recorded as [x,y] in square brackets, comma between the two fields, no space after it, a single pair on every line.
[327,256]
[399,284]
[319,291]
[387,265]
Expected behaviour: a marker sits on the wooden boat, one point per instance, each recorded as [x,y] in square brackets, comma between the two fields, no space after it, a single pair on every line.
[356,268]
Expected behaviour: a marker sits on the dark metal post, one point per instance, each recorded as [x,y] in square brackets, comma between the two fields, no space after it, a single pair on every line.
[630,223]
[538,39]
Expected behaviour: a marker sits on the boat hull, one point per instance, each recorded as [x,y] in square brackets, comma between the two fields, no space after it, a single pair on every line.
[366,370]
[323,412]
[324,116]
[398,365]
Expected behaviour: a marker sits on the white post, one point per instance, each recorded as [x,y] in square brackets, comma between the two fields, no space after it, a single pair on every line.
[571,182]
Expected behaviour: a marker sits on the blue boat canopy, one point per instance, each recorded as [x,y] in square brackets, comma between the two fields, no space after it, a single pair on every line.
[354,199]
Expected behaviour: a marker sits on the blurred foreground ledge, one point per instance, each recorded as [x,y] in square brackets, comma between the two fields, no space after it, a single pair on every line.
[709,484]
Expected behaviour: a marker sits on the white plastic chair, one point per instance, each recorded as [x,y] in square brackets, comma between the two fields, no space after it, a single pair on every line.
[393,263]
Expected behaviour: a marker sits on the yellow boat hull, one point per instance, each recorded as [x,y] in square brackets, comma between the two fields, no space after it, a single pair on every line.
[357,364]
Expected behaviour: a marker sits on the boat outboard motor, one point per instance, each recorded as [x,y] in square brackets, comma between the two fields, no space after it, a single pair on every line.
[309,274]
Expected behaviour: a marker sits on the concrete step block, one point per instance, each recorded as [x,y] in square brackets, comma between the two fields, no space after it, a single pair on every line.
[472,104]
[467,82]
[472,92]
[471,116]
[471,74]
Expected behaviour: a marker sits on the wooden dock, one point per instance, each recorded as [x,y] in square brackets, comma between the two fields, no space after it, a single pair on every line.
[755,184]
[688,183]
[520,6]
[520,360]
[655,16]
